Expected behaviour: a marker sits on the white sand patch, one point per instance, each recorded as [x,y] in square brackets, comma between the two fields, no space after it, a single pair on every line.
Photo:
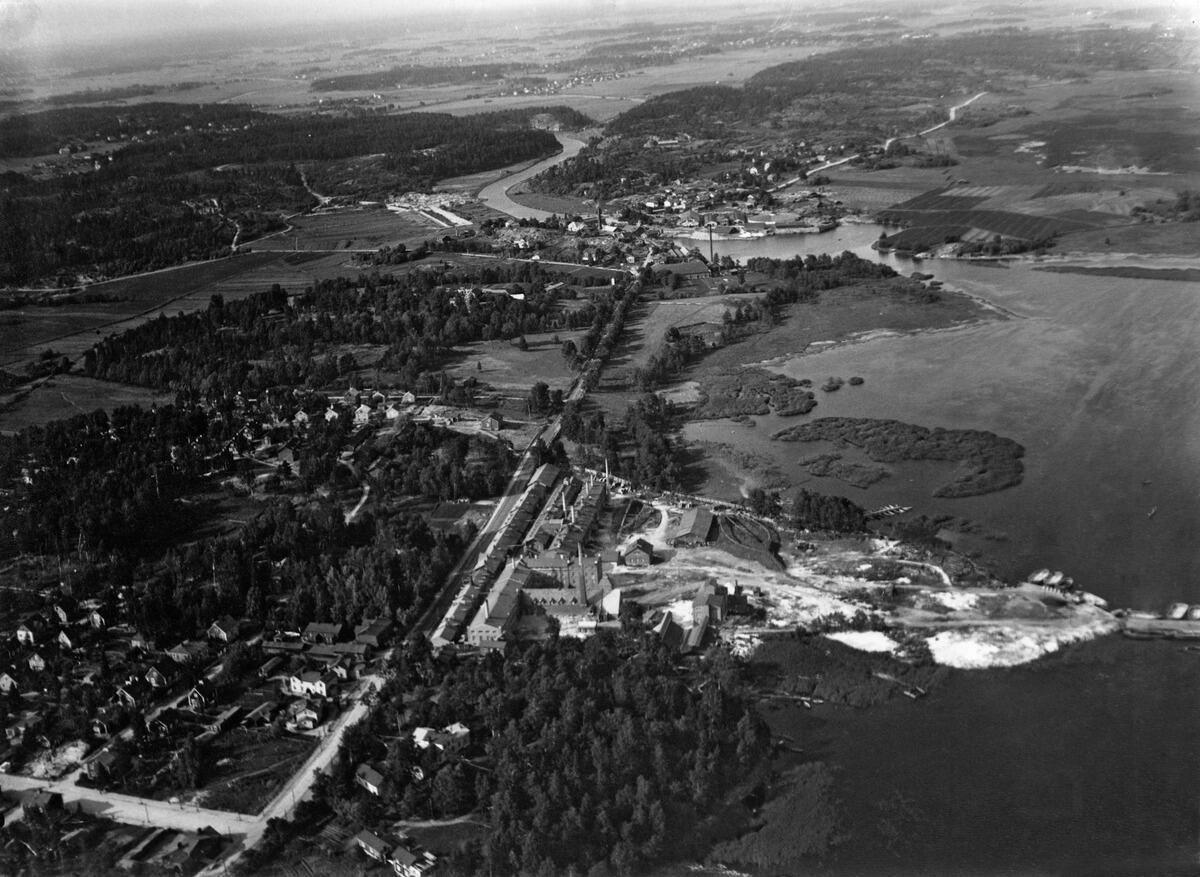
[681,611]
[1010,645]
[57,762]
[955,601]
[865,640]
[793,605]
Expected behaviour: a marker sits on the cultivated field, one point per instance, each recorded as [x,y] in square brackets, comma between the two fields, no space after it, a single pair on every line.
[62,395]
[351,228]
[71,329]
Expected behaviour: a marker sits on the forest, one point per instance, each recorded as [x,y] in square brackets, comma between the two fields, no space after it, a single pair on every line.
[272,339]
[846,93]
[596,756]
[186,180]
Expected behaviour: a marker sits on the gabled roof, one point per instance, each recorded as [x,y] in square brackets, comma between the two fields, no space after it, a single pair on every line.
[369,775]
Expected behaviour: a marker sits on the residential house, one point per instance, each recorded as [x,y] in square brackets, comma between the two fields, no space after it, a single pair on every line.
[391,412]
[29,633]
[64,640]
[132,694]
[7,683]
[313,683]
[37,663]
[306,714]
[492,422]
[373,632]
[319,632]
[373,845]
[191,650]
[97,620]
[141,642]
[161,673]
[300,418]
[641,554]
[201,695]
[225,629]
[61,614]
[331,413]
[369,778]
[362,414]
[411,863]
[409,398]
[106,765]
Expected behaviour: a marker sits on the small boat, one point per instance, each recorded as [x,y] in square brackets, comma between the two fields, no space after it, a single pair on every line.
[1152,512]
[1055,580]
[1040,576]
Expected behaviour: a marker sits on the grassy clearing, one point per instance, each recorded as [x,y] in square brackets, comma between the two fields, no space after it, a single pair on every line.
[1182,239]
[897,305]
[65,395]
[553,203]
[506,367]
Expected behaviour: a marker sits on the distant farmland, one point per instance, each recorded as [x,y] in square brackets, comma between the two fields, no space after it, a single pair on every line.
[976,213]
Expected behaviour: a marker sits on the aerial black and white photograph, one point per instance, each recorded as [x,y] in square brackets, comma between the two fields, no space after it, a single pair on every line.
[599,438]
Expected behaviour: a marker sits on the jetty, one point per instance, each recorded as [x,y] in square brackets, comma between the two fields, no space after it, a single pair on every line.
[889,511]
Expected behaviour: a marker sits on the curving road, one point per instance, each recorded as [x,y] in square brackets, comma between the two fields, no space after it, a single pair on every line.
[495,195]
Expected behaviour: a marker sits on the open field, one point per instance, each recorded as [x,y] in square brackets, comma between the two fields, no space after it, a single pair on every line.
[513,371]
[249,768]
[351,228]
[1144,237]
[62,395]
[885,307]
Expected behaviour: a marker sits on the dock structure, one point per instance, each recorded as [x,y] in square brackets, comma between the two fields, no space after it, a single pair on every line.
[1165,628]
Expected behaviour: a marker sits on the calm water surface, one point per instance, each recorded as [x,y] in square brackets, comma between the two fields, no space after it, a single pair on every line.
[1097,377]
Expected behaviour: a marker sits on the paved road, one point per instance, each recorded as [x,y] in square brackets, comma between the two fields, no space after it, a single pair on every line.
[495,195]
[191,817]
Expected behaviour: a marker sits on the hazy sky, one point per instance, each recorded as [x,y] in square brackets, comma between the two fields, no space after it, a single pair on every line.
[59,21]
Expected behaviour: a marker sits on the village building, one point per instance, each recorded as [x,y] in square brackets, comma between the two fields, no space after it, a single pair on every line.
[161,674]
[640,554]
[374,632]
[710,603]
[694,529]
[369,778]
[373,845]
[313,683]
[320,632]
[225,629]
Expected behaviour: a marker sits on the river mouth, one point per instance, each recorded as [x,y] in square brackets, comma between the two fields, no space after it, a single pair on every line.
[1095,375]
